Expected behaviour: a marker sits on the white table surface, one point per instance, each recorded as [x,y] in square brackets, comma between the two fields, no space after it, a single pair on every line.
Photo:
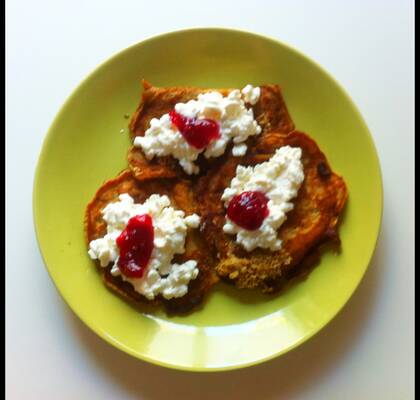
[365,353]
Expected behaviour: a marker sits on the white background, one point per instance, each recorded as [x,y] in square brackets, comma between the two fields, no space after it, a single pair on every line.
[366,352]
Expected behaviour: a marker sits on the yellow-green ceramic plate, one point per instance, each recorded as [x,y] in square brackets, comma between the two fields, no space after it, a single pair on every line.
[84,147]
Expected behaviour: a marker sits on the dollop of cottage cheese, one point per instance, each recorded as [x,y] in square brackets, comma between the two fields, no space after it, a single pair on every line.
[170,229]
[279,179]
[236,123]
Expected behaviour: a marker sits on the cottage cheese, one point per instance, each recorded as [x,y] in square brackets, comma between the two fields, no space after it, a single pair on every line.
[170,229]
[251,94]
[279,179]
[236,122]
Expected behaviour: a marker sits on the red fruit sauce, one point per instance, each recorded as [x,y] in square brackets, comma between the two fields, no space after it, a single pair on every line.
[136,244]
[248,210]
[197,132]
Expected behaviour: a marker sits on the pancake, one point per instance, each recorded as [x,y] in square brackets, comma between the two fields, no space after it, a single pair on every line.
[181,196]
[270,112]
[313,221]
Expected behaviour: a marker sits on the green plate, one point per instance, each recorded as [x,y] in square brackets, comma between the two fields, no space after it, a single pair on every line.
[84,147]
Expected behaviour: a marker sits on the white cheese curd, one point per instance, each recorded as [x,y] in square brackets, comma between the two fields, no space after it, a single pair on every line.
[251,94]
[170,229]
[279,179]
[236,123]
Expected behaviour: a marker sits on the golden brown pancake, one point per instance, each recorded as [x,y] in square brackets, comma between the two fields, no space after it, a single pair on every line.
[270,112]
[181,196]
[313,220]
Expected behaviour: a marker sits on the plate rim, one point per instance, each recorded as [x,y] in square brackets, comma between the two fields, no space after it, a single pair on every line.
[49,133]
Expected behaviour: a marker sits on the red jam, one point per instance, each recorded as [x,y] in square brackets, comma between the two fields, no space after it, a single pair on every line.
[248,210]
[197,132]
[136,244]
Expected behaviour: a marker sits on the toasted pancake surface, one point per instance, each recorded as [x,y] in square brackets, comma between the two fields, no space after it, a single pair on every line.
[270,112]
[313,220]
[181,196]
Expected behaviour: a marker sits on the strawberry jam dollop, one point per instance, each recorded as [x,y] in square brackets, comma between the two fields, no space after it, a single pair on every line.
[248,209]
[197,132]
[136,244]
